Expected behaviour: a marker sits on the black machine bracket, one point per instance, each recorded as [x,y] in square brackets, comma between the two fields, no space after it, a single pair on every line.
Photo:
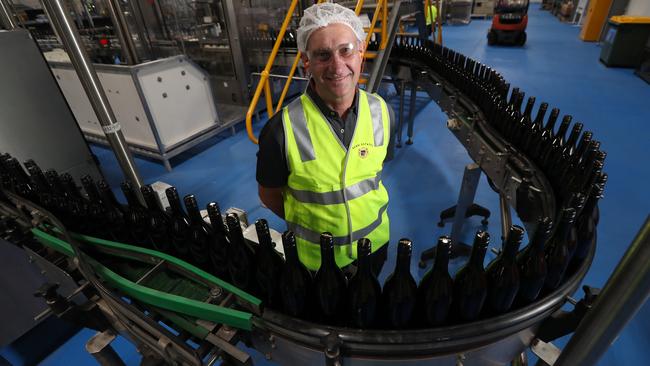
[563,322]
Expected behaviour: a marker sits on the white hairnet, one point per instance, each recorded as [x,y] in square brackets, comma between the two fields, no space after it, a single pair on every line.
[323,14]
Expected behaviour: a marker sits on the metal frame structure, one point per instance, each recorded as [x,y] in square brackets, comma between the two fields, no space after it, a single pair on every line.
[162,152]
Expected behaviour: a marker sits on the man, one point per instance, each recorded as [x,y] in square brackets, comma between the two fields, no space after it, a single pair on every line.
[430,16]
[320,160]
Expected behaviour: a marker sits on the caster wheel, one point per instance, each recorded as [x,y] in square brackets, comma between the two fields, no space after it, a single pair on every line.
[409,142]
[521,40]
[441,224]
[484,222]
[492,38]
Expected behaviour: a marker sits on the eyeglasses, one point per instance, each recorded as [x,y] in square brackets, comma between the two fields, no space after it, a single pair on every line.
[324,55]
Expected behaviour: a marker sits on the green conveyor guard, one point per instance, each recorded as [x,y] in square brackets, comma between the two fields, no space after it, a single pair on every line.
[164,300]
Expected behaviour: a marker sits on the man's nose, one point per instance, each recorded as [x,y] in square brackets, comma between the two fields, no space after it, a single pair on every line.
[338,62]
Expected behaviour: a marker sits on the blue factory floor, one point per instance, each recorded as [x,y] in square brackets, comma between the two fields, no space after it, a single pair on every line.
[555,66]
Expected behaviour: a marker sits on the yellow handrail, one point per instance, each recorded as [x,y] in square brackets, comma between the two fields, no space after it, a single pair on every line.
[264,77]
[373,22]
[287,83]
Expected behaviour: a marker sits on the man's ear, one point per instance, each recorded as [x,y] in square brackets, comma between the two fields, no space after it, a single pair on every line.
[305,60]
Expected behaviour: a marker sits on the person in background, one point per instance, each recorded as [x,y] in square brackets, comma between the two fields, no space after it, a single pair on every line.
[430,16]
[320,160]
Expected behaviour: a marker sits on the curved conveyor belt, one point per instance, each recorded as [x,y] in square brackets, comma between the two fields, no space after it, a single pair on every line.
[474,97]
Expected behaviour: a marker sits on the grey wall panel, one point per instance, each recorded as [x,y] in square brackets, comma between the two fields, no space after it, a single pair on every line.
[35,120]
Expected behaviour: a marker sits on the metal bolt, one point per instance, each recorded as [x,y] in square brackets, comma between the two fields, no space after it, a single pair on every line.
[164,95]
[215,292]
[187,87]
[183,72]
[159,79]
[137,118]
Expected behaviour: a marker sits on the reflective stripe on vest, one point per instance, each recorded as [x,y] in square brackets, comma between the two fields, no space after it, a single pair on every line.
[299,126]
[333,188]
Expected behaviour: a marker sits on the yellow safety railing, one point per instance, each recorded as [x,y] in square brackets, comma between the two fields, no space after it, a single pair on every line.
[380,9]
[263,84]
[265,87]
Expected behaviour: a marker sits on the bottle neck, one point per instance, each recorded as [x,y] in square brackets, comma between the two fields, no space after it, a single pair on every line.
[541,112]
[478,255]
[70,187]
[550,124]
[129,194]
[91,190]
[518,102]
[540,238]
[264,235]
[564,230]
[291,253]
[175,203]
[215,217]
[150,200]
[573,137]
[592,200]
[582,146]
[403,262]
[193,212]
[564,126]
[54,181]
[513,97]
[108,197]
[529,107]
[234,229]
[511,248]
[365,265]
[442,258]
[327,256]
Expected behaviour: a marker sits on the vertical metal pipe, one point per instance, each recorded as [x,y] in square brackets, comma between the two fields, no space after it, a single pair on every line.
[60,19]
[126,42]
[141,27]
[506,218]
[468,187]
[6,16]
[625,292]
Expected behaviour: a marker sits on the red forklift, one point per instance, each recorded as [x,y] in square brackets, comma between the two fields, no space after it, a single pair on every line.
[509,22]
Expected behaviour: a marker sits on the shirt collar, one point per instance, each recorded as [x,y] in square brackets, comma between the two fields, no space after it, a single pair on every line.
[327,111]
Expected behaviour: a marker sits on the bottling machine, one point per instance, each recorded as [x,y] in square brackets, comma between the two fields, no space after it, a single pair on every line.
[176,312]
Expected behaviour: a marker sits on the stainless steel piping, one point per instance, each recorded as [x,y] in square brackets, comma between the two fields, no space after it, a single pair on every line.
[126,42]
[625,292]
[65,28]
[6,16]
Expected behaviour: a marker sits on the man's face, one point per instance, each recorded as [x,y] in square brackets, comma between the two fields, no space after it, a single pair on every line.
[336,78]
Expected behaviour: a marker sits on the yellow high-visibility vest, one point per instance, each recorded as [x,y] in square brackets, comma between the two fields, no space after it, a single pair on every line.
[431,14]
[332,188]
